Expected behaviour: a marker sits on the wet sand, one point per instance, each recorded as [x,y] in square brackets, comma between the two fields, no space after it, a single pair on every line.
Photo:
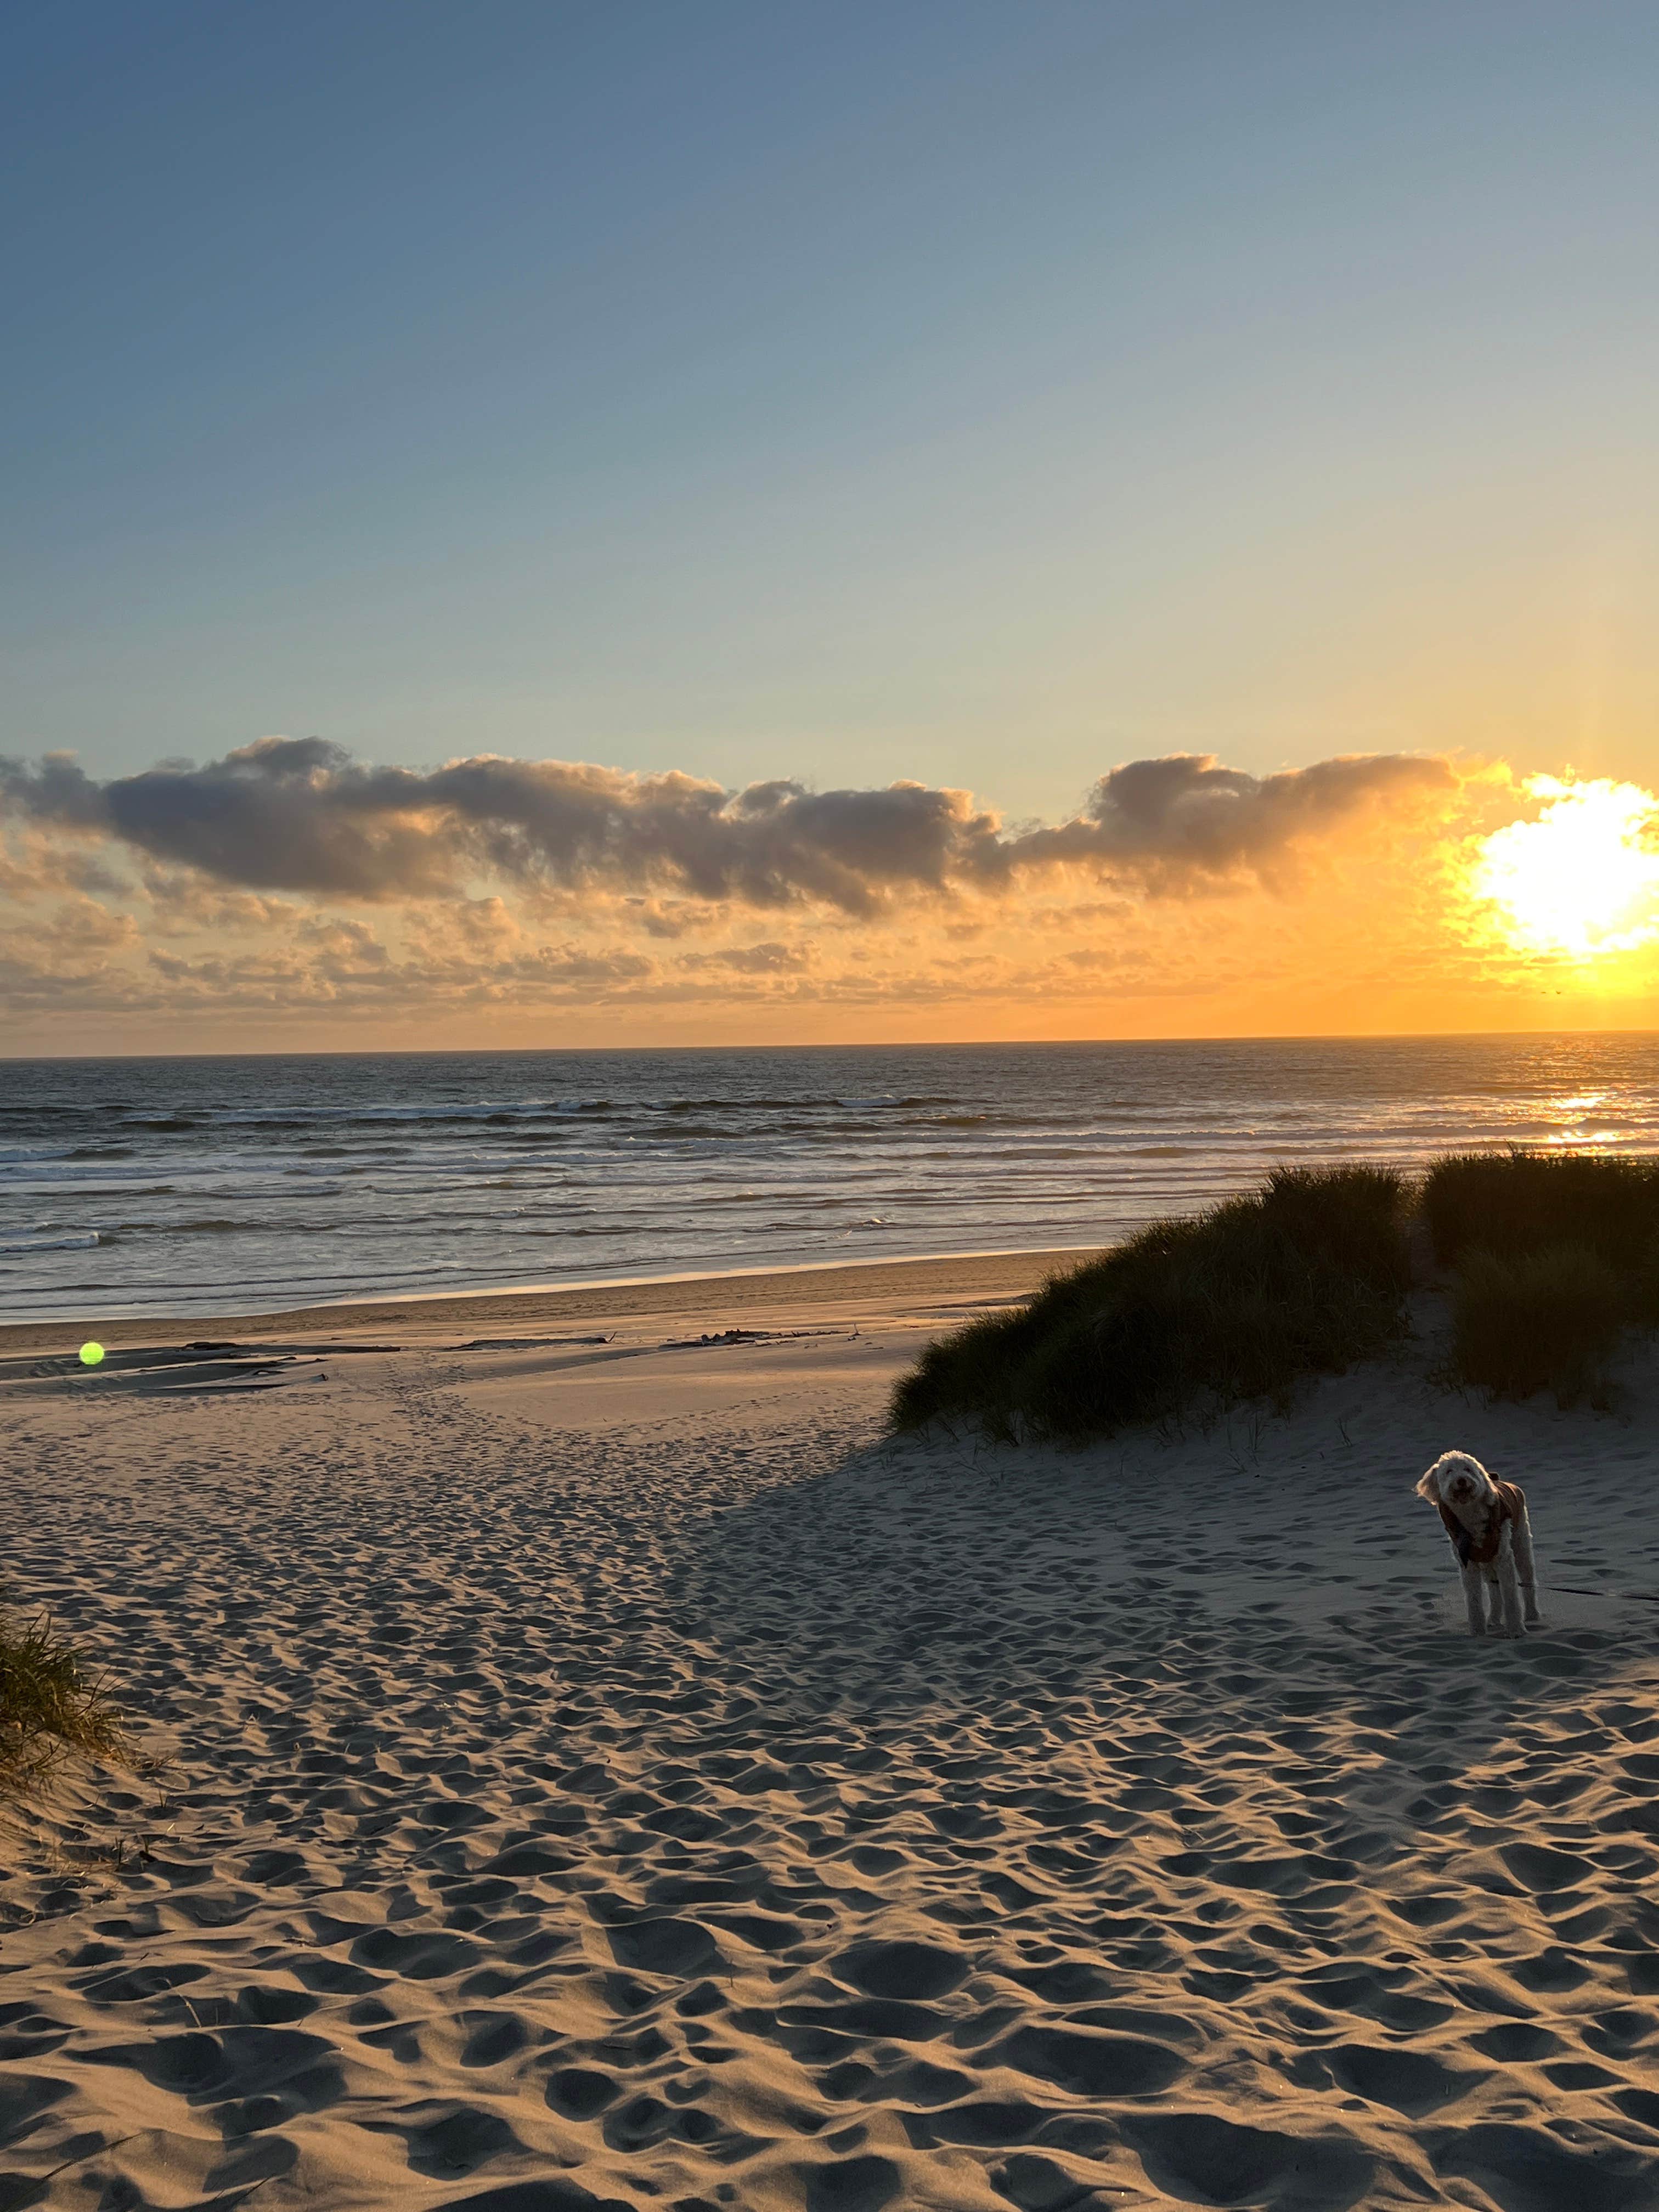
[884,1286]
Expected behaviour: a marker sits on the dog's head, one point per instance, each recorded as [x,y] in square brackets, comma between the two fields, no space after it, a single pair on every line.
[1456,1480]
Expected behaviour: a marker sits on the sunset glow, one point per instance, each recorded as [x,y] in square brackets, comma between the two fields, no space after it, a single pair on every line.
[1582,880]
[917,532]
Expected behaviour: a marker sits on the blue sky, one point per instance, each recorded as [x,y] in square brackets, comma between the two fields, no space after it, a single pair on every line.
[976,393]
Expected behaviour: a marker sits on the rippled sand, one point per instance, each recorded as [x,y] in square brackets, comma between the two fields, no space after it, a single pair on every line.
[610,1775]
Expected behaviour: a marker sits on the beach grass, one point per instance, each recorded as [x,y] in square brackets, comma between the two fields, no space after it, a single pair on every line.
[1522,1202]
[1549,1320]
[52,1704]
[1554,1256]
[1557,1254]
[1307,1276]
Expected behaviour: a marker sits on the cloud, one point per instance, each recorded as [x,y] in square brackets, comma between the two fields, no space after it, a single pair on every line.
[75,956]
[301,815]
[291,881]
[1184,820]
[34,865]
[768,959]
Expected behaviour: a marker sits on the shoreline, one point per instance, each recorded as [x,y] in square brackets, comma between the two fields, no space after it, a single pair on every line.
[423,1314]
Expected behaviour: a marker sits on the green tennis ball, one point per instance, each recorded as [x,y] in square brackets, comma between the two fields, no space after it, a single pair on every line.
[91,1354]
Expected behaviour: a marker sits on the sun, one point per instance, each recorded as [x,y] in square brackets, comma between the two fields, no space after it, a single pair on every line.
[1581,881]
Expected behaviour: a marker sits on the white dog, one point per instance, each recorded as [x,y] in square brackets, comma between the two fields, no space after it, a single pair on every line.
[1487,1523]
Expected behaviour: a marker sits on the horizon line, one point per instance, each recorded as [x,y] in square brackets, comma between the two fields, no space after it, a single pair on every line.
[876,1044]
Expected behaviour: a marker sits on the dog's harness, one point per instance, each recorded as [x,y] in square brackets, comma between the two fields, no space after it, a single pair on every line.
[1511,1504]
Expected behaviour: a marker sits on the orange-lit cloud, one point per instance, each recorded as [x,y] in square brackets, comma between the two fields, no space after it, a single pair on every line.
[300,815]
[286,893]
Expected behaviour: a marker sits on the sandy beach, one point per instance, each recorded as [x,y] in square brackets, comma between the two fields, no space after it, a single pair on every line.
[603,1768]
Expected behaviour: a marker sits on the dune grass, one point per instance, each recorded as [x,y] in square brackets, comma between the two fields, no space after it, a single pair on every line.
[50,1705]
[1550,1320]
[1517,1204]
[1556,1254]
[1187,1318]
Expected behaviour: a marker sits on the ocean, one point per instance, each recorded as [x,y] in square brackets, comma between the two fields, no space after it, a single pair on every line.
[196,1186]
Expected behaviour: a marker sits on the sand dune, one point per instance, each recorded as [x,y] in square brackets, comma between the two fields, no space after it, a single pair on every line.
[613,1774]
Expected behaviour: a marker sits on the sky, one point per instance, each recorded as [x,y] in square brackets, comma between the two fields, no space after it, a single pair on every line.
[595,414]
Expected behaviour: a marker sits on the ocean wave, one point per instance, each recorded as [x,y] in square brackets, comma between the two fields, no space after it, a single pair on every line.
[339,1180]
[214,1225]
[283,1115]
[61,1110]
[505,1112]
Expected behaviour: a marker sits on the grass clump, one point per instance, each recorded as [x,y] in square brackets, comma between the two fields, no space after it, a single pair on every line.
[1549,1320]
[1557,1254]
[1306,1277]
[50,1705]
[1518,1204]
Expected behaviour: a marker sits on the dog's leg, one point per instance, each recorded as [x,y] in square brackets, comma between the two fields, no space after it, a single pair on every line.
[1473,1597]
[1508,1592]
[1526,1569]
